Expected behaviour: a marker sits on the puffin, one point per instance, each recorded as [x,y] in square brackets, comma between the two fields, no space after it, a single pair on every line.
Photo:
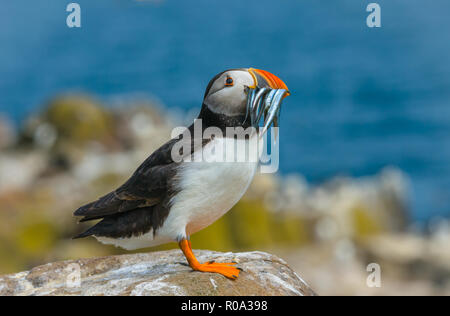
[168,199]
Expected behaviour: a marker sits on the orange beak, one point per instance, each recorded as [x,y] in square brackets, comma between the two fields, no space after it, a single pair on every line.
[273,81]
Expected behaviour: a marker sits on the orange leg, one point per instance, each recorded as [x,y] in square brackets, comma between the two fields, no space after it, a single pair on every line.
[225,268]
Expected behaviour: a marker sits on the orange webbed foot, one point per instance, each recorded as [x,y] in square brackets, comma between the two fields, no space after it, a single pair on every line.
[227,269]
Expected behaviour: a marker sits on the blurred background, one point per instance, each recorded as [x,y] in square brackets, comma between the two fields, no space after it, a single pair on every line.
[365,136]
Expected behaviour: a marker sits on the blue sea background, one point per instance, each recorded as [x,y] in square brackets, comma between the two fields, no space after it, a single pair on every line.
[362,98]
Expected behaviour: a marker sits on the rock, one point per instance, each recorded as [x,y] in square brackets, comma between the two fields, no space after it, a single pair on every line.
[157,273]
[79,119]
[71,121]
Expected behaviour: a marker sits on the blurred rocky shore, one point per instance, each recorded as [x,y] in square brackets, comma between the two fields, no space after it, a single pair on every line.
[77,149]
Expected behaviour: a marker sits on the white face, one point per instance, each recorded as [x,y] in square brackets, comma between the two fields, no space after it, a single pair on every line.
[228,93]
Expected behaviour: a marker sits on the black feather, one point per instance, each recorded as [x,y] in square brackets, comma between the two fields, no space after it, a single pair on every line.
[143,202]
[140,204]
[132,223]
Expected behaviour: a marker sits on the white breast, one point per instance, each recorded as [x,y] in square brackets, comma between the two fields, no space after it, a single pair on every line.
[206,191]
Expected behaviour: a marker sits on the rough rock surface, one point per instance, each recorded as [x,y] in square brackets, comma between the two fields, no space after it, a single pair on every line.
[157,273]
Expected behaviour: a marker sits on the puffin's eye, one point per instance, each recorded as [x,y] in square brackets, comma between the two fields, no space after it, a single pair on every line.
[229,81]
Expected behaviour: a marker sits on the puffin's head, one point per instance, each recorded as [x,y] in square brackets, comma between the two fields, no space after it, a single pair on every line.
[227,93]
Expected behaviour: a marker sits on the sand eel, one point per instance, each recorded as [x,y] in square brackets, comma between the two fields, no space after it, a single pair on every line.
[167,200]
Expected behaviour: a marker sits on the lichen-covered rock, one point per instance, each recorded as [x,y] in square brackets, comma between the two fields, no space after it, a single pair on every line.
[157,273]
[79,119]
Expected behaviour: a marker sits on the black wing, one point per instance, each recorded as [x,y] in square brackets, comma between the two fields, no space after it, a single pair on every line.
[145,195]
[146,187]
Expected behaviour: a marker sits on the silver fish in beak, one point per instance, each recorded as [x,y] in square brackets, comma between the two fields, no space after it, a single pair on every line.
[265,98]
[267,102]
